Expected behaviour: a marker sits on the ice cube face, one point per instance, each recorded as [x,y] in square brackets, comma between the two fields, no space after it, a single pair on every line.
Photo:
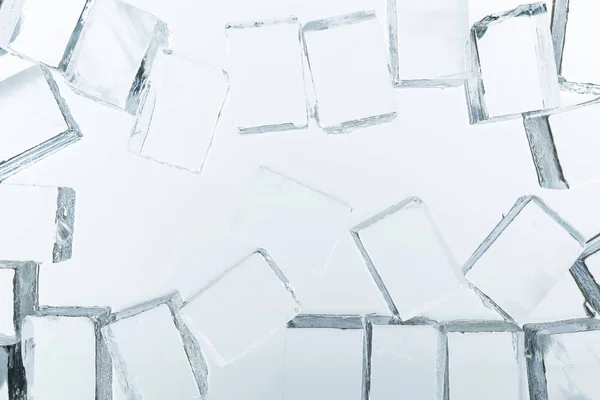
[313,221]
[524,257]
[563,145]
[179,112]
[268,91]
[407,257]
[428,42]
[323,363]
[36,121]
[349,72]
[40,30]
[114,53]
[256,293]
[512,77]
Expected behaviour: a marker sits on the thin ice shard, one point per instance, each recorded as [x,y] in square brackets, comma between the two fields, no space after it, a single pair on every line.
[524,257]
[36,120]
[349,72]
[503,67]
[43,215]
[257,292]
[179,112]
[67,337]
[312,221]
[427,42]
[324,362]
[407,257]
[268,89]
[134,342]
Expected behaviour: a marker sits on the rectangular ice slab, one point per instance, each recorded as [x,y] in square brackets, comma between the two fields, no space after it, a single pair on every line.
[428,40]
[36,121]
[148,352]
[114,53]
[38,223]
[563,144]
[512,76]
[18,297]
[323,363]
[40,30]
[404,359]
[574,29]
[62,355]
[291,220]
[524,257]
[407,257]
[242,307]
[179,111]
[486,365]
[347,60]
[267,75]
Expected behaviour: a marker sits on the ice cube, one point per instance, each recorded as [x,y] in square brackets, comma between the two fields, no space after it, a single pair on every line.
[18,297]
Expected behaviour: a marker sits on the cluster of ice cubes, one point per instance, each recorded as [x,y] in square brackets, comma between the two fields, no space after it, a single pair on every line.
[439,333]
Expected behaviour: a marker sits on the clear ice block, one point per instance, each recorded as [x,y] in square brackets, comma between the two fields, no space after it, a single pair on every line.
[18,297]
[38,223]
[524,257]
[512,76]
[427,42]
[404,358]
[407,257]
[179,111]
[41,30]
[36,120]
[7,308]
[147,335]
[323,363]
[291,220]
[486,365]
[60,354]
[256,285]
[347,61]
[563,145]
[114,53]
[268,91]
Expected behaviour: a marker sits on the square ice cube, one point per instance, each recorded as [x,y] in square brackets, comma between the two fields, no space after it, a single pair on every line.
[179,111]
[350,76]
[512,76]
[524,257]
[114,53]
[407,257]
[428,40]
[267,75]
[291,220]
[36,120]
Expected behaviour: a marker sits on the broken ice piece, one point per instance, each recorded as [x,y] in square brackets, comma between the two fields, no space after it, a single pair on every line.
[62,354]
[406,357]
[150,353]
[512,76]
[18,297]
[36,120]
[485,361]
[256,292]
[38,222]
[113,55]
[179,111]
[267,75]
[291,220]
[574,29]
[407,257]
[324,358]
[562,144]
[427,42]
[349,72]
[524,257]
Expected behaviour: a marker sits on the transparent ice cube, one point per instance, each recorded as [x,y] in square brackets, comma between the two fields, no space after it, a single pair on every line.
[349,72]
[267,75]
